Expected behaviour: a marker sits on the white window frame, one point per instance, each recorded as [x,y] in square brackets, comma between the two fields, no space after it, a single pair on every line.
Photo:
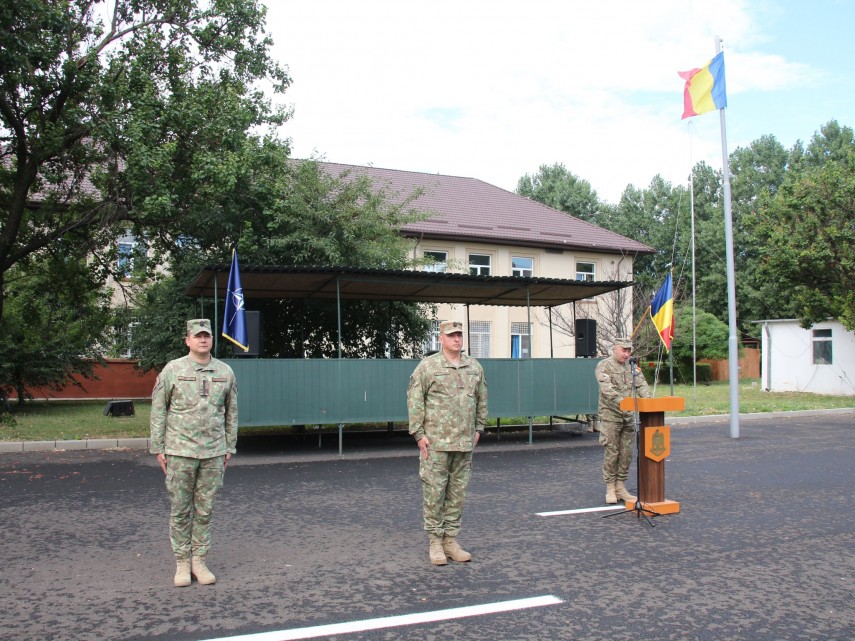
[821,347]
[477,269]
[479,339]
[432,343]
[523,330]
[587,276]
[519,270]
[125,257]
[439,265]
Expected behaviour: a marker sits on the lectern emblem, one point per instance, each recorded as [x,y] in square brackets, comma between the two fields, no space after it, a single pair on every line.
[657,443]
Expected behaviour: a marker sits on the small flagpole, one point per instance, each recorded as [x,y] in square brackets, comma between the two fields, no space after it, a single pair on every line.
[640,321]
[732,342]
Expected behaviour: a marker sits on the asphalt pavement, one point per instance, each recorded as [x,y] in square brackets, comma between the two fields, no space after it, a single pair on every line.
[762,549]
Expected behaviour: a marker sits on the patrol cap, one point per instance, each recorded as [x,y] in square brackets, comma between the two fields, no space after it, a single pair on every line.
[198,325]
[623,341]
[449,327]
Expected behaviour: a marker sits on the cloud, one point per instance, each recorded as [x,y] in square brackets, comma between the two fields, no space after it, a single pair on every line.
[492,90]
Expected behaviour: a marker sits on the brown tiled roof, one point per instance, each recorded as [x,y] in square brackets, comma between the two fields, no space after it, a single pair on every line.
[470,209]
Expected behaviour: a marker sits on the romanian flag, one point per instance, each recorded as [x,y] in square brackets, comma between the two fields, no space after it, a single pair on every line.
[662,312]
[705,88]
[235,317]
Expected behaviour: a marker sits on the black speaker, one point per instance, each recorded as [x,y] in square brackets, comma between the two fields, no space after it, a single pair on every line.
[119,408]
[586,338]
[253,335]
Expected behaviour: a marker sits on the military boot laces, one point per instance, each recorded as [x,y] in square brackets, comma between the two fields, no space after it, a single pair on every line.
[201,572]
[437,555]
[453,551]
[182,573]
[622,493]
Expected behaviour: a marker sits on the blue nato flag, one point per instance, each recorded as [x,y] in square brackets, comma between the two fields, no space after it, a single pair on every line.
[234,325]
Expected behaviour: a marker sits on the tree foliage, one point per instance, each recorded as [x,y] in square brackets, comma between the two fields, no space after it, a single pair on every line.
[554,186]
[806,229]
[301,215]
[134,118]
[792,229]
[55,322]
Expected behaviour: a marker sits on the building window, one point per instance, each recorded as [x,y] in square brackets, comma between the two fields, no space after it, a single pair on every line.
[479,339]
[432,343]
[440,261]
[586,271]
[822,347]
[124,329]
[479,264]
[522,266]
[520,340]
[130,256]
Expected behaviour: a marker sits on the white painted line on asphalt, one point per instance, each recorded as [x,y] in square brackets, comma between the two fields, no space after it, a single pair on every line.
[583,510]
[396,621]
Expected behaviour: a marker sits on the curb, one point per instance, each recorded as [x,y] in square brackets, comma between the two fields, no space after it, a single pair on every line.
[89,444]
[719,418]
[145,443]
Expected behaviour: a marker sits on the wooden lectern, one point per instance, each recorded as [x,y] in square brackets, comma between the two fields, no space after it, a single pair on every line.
[654,447]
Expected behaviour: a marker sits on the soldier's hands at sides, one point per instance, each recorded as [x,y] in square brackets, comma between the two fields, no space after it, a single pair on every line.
[161,459]
[423,444]
[226,462]
[477,438]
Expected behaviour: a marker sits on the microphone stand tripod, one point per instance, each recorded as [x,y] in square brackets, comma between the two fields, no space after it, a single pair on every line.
[638,508]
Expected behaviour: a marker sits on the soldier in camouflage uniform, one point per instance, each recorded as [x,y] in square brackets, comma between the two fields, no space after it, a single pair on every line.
[617,428]
[194,420]
[447,405]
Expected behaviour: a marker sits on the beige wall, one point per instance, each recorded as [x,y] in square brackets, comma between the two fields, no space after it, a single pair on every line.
[546,264]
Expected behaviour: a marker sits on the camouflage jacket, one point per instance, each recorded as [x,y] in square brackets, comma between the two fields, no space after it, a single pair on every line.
[615,381]
[447,404]
[194,410]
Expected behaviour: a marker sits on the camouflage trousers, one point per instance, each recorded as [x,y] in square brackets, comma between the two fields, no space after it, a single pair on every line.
[445,476]
[618,441]
[192,484]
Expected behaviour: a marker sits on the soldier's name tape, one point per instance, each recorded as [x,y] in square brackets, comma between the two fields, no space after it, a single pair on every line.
[397,621]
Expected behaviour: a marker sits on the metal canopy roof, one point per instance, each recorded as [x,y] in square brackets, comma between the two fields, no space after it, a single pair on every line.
[355,283]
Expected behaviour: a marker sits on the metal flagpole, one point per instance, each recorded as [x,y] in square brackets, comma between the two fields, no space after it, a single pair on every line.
[694,308]
[732,344]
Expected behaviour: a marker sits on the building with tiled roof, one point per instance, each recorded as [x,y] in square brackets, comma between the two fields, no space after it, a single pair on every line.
[479,228]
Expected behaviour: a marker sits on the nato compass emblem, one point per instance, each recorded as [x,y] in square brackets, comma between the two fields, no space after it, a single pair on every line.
[237,299]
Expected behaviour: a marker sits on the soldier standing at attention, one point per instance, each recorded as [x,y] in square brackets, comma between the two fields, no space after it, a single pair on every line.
[617,428]
[447,405]
[194,420]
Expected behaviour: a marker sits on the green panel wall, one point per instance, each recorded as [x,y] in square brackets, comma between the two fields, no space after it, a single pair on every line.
[313,391]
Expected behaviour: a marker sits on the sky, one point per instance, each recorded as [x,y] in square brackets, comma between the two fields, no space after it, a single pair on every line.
[493,89]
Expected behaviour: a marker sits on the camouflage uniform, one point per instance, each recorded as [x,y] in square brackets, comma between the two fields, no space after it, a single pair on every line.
[194,419]
[617,428]
[448,404]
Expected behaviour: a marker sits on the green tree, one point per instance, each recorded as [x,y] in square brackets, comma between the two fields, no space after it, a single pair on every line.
[806,229]
[556,187]
[301,215]
[136,121]
[56,316]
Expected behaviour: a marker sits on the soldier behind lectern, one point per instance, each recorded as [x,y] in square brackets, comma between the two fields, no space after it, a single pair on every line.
[617,427]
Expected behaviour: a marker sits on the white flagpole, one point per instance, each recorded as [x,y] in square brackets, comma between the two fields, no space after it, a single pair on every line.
[732,342]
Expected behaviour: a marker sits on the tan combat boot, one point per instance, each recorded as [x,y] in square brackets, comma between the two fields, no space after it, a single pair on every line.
[453,551]
[182,573]
[437,555]
[622,493]
[611,499]
[201,572]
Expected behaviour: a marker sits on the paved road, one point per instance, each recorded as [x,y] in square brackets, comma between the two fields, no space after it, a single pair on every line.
[763,548]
